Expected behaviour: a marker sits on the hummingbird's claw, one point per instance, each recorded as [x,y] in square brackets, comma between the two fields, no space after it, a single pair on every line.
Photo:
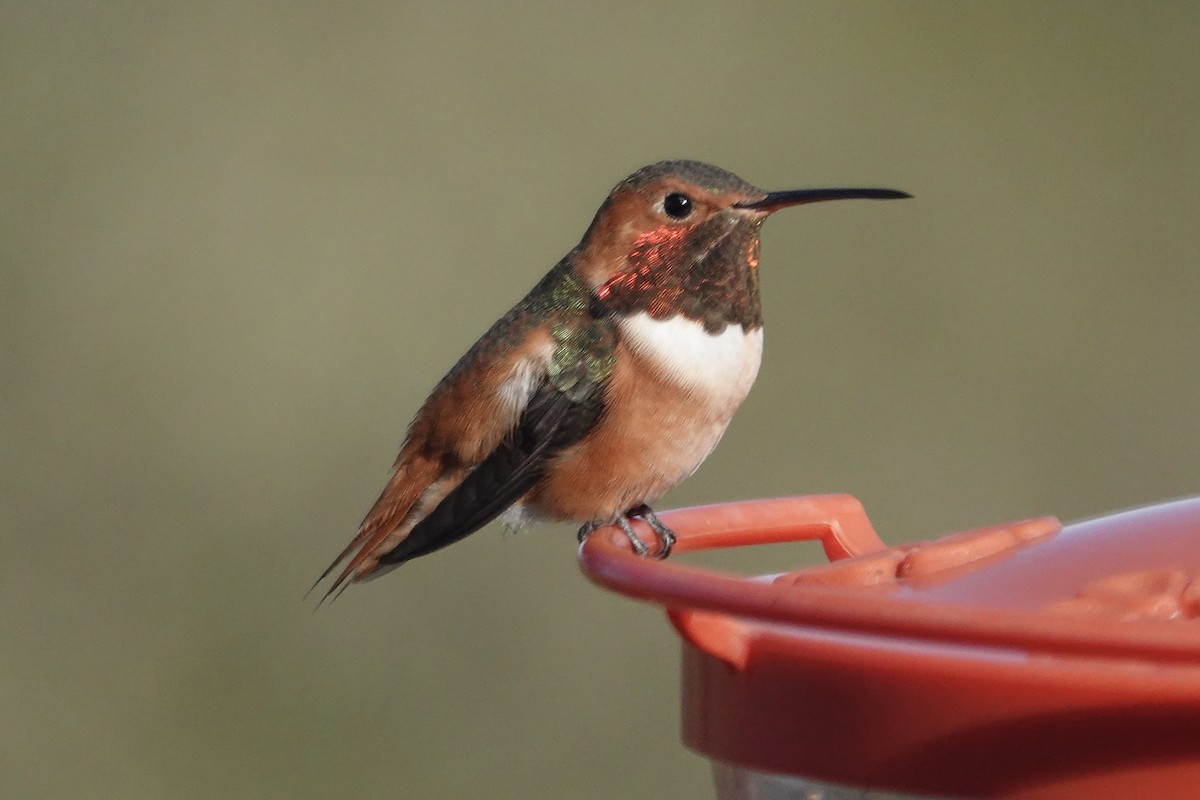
[666,536]
[639,546]
[586,531]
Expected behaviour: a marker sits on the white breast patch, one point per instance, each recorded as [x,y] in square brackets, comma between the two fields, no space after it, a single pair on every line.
[721,367]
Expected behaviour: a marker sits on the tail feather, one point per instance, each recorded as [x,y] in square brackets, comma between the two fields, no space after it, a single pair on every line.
[386,520]
[364,543]
[354,544]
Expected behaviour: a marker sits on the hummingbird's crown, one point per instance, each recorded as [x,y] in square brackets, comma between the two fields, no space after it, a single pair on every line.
[713,179]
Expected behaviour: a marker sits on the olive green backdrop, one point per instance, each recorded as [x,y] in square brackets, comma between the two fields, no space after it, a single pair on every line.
[240,242]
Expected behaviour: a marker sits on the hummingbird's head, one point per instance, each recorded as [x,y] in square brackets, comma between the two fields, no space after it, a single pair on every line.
[683,237]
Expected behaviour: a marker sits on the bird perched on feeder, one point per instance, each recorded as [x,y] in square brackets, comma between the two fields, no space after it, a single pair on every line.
[605,386]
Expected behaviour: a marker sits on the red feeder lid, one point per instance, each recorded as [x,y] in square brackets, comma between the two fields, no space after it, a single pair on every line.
[1026,660]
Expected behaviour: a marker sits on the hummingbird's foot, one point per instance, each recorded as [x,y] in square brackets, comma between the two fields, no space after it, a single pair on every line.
[666,536]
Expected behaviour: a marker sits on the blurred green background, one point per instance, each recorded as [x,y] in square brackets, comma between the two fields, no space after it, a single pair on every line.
[240,242]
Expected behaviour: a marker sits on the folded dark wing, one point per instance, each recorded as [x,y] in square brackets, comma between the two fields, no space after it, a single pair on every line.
[553,420]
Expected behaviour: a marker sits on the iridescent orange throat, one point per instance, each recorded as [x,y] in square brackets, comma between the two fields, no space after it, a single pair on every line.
[708,273]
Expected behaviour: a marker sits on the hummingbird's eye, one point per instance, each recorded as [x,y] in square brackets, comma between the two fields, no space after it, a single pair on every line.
[677,206]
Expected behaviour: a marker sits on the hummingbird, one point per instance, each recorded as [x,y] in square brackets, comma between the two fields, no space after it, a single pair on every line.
[604,387]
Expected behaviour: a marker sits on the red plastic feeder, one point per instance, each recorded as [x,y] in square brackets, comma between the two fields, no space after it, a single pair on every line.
[1028,660]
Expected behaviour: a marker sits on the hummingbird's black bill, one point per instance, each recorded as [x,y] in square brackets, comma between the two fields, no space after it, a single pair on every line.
[796,197]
